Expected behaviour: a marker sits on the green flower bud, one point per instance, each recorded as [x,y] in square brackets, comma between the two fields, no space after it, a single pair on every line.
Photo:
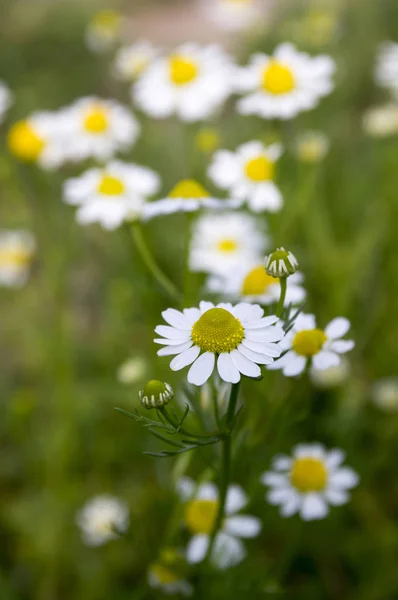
[156,394]
[281,263]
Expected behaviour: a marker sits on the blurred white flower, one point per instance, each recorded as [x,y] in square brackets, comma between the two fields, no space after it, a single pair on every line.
[309,481]
[167,574]
[306,343]
[385,394]
[381,121]
[132,370]
[386,69]
[16,251]
[332,376]
[112,194]
[285,84]
[102,518]
[221,242]
[103,31]
[199,516]
[192,82]
[5,99]
[131,61]
[248,175]
[234,15]
[232,340]
[311,146]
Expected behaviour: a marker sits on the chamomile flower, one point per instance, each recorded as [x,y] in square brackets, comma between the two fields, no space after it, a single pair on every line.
[102,518]
[192,82]
[385,394]
[386,69]
[221,242]
[99,128]
[187,196]
[381,121]
[200,512]
[248,175]
[311,146]
[5,100]
[103,31]
[306,343]
[131,61]
[16,251]
[233,340]
[112,194]
[251,283]
[285,84]
[309,481]
[234,15]
[168,573]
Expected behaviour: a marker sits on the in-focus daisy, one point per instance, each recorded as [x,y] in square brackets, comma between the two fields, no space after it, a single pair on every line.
[311,146]
[99,128]
[5,100]
[309,481]
[112,194]
[103,31]
[192,82]
[306,343]
[385,394]
[221,242]
[131,61]
[168,573]
[248,175]
[285,84]
[234,15]
[251,283]
[187,196]
[201,507]
[381,121]
[16,251]
[102,519]
[233,340]
[386,69]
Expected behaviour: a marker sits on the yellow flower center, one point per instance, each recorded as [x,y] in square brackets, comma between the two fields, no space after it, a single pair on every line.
[309,475]
[278,78]
[24,142]
[182,70]
[200,515]
[227,245]
[14,258]
[260,169]
[96,120]
[188,188]
[257,282]
[107,20]
[163,574]
[217,330]
[309,341]
[111,186]
[208,139]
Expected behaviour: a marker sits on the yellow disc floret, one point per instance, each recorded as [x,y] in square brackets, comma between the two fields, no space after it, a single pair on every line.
[96,120]
[107,20]
[309,341]
[182,70]
[24,142]
[217,330]
[309,475]
[278,78]
[200,515]
[260,169]
[228,245]
[14,258]
[257,282]
[111,186]
[188,188]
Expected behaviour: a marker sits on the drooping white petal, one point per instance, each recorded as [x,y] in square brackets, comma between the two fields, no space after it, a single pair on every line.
[201,369]
[337,328]
[292,505]
[197,548]
[325,359]
[295,366]
[313,507]
[236,499]
[228,551]
[244,365]
[226,368]
[170,350]
[185,358]
[176,319]
[243,526]
[260,359]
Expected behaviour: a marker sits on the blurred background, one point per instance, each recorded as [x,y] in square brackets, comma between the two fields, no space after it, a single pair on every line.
[89,306]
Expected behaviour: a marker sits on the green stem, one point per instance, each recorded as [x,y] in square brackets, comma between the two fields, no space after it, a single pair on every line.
[183,431]
[281,302]
[150,262]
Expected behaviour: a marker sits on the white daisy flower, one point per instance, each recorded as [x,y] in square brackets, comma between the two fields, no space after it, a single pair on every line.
[248,175]
[311,146]
[200,513]
[131,61]
[187,196]
[103,31]
[386,69]
[5,99]
[251,283]
[192,82]
[234,15]
[16,251]
[99,128]
[309,481]
[102,518]
[385,394]
[305,342]
[112,194]
[167,574]
[233,340]
[285,84]
[132,370]
[221,242]
[381,121]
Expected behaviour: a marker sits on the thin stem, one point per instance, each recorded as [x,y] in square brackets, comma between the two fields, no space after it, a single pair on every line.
[183,431]
[281,302]
[152,265]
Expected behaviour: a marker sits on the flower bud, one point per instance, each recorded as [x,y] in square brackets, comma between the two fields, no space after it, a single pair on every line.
[281,263]
[156,394]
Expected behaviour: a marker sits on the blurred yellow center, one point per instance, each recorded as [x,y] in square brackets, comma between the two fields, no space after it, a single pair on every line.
[24,142]
[208,139]
[217,330]
[257,282]
[309,341]
[260,169]
[163,574]
[13,258]
[309,474]
[107,19]
[278,78]
[227,245]
[182,70]
[188,188]
[111,186]
[96,120]
[200,515]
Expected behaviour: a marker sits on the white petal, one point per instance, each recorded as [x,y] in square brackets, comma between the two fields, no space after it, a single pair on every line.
[243,526]
[236,499]
[170,350]
[197,548]
[260,359]
[205,306]
[270,334]
[264,322]
[313,507]
[244,365]
[228,551]
[226,368]
[176,319]
[274,479]
[185,488]
[344,478]
[292,505]
[201,369]
[337,328]
[281,462]
[325,359]
[342,346]
[295,366]
[280,495]
[336,497]
[207,491]
[334,458]
[172,333]
[185,358]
